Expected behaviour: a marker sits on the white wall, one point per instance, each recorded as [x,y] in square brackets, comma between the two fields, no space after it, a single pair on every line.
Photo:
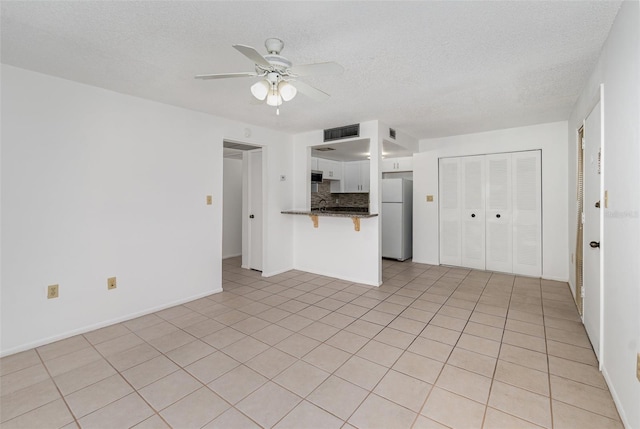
[550,138]
[98,184]
[618,70]
[232,208]
[334,248]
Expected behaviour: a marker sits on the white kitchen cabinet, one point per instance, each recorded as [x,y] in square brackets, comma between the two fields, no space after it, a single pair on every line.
[331,170]
[391,165]
[356,176]
[490,212]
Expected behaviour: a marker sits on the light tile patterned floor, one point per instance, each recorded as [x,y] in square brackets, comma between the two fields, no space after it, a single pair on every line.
[434,347]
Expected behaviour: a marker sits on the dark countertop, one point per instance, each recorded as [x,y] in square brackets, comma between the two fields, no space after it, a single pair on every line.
[329,213]
[340,209]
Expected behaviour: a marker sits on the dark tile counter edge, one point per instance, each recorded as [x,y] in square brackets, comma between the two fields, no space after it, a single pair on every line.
[314,213]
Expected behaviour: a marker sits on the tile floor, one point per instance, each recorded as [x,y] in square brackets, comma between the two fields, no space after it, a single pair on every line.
[434,347]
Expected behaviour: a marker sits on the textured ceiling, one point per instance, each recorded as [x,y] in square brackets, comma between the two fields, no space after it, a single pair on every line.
[427,68]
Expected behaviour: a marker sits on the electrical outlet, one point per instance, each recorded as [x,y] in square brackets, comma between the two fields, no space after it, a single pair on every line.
[209,200]
[52,291]
[111,283]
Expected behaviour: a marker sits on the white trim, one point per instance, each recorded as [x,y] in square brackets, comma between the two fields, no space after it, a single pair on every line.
[348,279]
[603,243]
[235,255]
[275,273]
[103,324]
[555,279]
[616,399]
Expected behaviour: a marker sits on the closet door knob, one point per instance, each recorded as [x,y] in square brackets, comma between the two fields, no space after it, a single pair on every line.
[473,215]
[594,244]
[498,215]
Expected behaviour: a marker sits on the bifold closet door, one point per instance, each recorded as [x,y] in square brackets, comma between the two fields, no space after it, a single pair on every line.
[490,212]
[449,190]
[473,212]
[526,179]
[499,216]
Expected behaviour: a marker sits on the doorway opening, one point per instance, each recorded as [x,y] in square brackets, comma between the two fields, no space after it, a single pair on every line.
[242,204]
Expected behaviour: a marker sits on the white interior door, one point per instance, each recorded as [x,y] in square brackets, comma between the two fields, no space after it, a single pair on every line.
[255,209]
[499,224]
[449,192]
[591,228]
[526,173]
[473,212]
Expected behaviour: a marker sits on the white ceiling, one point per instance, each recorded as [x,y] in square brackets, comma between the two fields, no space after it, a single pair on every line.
[426,68]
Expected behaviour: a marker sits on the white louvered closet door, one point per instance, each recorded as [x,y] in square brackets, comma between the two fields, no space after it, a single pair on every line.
[473,212]
[498,211]
[449,184]
[526,173]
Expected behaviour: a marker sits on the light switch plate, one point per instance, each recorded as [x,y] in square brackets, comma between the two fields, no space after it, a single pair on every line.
[52,291]
[111,283]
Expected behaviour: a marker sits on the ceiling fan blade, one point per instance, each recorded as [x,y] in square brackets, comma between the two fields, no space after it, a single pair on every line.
[310,91]
[316,69]
[253,55]
[226,75]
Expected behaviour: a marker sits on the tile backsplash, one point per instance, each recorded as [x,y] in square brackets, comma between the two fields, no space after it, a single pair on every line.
[344,200]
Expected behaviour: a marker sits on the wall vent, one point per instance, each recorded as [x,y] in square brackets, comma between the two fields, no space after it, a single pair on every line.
[342,132]
[392,133]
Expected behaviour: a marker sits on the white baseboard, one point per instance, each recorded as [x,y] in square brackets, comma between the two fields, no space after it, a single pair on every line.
[348,279]
[102,324]
[275,273]
[556,279]
[231,256]
[616,399]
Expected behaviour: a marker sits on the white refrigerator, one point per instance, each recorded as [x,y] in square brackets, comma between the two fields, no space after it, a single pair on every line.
[397,218]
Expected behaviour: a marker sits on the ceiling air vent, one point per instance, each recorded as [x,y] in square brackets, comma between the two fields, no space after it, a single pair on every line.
[342,132]
[392,133]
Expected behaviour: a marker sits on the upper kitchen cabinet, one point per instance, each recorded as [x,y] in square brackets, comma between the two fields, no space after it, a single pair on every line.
[394,165]
[356,176]
[331,170]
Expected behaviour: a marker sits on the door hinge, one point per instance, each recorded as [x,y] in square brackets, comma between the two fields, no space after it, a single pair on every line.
[583,143]
[582,293]
[583,217]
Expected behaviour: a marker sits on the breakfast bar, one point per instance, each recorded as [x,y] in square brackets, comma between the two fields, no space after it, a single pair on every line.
[314,214]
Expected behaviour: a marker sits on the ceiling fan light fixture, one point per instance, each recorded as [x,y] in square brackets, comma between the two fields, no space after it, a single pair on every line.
[287,91]
[261,89]
[274,98]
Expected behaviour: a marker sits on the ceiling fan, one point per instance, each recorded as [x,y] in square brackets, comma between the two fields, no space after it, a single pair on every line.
[278,73]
